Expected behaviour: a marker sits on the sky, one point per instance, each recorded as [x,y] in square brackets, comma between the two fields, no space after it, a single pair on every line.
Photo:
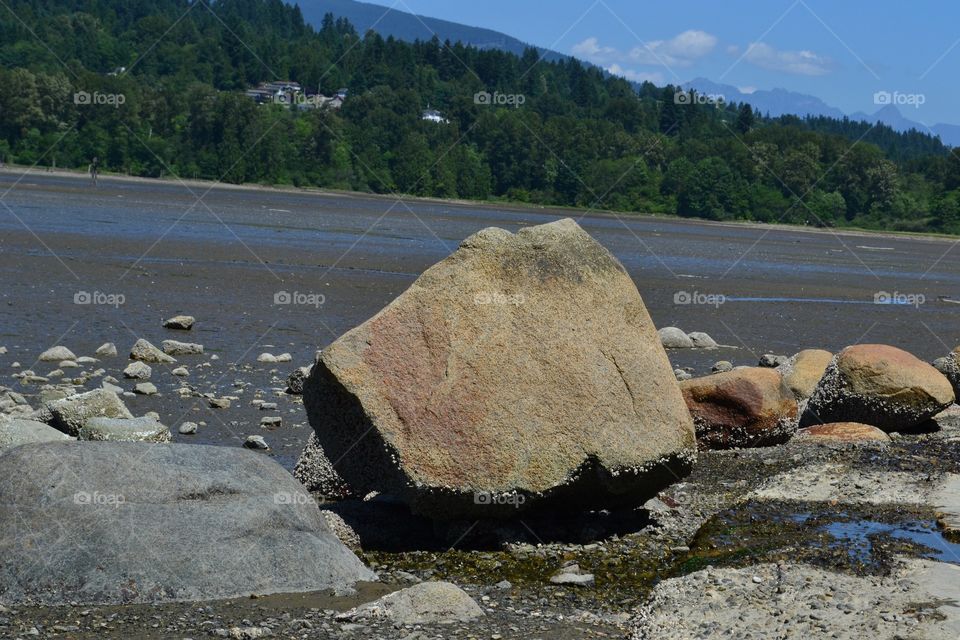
[842,51]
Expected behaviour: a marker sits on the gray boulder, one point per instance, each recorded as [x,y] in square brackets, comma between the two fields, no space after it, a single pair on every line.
[71,413]
[674,338]
[316,473]
[158,523]
[424,603]
[146,429]
[177,348]
[16,431]
[146,352]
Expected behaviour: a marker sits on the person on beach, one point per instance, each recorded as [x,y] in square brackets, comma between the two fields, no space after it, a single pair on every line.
[94,169]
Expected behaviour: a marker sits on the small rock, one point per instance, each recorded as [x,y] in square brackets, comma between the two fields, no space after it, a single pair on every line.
[772,361]
[266,357]
[270,421]
[188,428]
[702,340]
[219,403]
[296,379]
[182,323]
[177,348]
[106,350]
[138,371]
[255,442]
[145,352]
[721,366]
[180,371]
[145,389]
[424,603]
[674,338]
[56,354]
[68,364]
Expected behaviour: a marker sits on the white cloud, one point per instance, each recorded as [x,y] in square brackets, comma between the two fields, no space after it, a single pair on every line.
[592,51]
[636,76]
[804,63]
[680,51]
[747,90]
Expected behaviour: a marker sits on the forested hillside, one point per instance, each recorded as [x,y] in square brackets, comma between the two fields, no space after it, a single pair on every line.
[167,80]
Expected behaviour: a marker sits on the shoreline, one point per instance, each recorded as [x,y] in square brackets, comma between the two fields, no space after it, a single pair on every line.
[520,207]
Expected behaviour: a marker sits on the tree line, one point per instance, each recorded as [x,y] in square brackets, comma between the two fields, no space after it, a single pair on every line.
[156,87]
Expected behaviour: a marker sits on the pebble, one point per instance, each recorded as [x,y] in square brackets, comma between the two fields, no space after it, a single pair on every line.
[270,421]
[219,403]
[188,428]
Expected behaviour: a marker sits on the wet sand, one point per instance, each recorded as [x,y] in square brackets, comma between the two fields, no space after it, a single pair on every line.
[223,253]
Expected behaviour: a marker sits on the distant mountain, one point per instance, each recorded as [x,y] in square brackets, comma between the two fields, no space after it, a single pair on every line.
[409,27]
[779,102]
[775,102]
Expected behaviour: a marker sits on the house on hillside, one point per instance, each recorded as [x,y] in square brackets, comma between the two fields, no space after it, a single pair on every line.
[432,115]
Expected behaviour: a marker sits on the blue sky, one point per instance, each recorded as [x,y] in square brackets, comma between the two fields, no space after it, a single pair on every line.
[842,51]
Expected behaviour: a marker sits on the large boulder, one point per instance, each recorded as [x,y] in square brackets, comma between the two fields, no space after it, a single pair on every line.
[522,370]
[126,522]
[878,385]
[746,407]
[803,371]
[71,413]
[17,431]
